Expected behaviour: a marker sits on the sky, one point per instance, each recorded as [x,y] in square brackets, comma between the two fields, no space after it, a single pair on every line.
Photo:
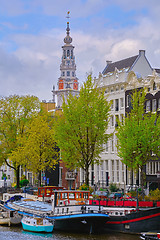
[32,33]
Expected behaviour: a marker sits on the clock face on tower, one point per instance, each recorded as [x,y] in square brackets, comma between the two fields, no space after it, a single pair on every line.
[61,84]
[75,85]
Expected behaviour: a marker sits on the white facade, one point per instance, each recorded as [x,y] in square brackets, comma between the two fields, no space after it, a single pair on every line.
[116,83]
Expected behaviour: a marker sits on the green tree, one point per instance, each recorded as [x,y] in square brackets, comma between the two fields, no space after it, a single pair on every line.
[138,135]
[38,150]
[15,113]
[81,128]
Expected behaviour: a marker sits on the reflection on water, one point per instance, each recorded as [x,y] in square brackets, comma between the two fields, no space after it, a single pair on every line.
[46,235]
[16,233]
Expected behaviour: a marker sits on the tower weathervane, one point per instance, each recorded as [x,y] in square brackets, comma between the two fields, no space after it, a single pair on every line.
[68,15]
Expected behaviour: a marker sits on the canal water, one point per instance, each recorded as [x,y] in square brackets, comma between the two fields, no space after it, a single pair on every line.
[17,233]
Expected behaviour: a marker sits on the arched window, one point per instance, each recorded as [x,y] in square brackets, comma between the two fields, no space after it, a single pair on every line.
[68,53]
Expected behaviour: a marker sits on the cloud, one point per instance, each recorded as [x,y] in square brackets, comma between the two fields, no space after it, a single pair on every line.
[33,64]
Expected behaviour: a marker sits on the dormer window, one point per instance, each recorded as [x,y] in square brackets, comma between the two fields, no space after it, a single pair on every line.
[154,86]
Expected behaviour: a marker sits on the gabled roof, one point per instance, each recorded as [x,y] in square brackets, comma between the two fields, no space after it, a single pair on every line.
[125,63]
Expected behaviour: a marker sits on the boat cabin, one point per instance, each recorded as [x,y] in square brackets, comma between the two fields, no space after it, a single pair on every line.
[47,191]
[69,197]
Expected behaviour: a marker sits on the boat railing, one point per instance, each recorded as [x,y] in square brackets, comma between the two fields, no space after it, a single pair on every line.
[33,210]
[72,209]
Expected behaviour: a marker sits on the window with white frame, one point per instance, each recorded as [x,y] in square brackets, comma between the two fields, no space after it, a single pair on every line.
[121,102]
[112,165]
[107,146]
[112,144]
[112,121]
[107,168]
[68,73]
[122,176]
[102,172]
[159,103]
[116,104]
[116,120]
[148,106]
[117,176]
[112,104]
[127,101]
[122,117]
[117,165]
[97,172]
[154,105]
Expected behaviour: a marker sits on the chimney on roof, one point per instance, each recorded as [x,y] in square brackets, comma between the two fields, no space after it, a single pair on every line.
[108,62]
[141,52]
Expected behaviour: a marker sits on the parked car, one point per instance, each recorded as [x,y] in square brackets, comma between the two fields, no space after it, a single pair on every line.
[101,194]
[127,197]
[116,195]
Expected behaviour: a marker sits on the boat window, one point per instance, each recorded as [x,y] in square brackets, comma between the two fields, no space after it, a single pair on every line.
[71,195]
[58,211]
[76,195]
[62,210]
[64,195]
[85,195]
[67,210]
[80,195]
[39,191]
[59,196]
[48,191]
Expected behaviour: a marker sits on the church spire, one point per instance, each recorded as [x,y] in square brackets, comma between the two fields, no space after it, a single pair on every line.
[68,39]
[67,82]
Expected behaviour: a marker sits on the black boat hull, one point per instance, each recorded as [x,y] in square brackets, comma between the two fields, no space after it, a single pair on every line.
[135,222]
[83,223]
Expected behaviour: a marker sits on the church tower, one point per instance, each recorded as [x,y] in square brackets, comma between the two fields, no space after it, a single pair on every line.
[67,82]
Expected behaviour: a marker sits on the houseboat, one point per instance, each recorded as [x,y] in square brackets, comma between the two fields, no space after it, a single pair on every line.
[36,224]
[71,211]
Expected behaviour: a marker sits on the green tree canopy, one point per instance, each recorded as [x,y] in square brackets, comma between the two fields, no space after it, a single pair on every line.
[81,129]
[15,113]
[38,150]
[138,136]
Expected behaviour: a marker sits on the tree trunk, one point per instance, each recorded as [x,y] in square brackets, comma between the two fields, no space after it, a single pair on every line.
[17,176]
[87,175]
[39,179]
[142,180]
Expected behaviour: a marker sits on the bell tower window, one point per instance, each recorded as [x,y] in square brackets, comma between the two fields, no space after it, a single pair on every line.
[68,53]
[64,53]
[68,73]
